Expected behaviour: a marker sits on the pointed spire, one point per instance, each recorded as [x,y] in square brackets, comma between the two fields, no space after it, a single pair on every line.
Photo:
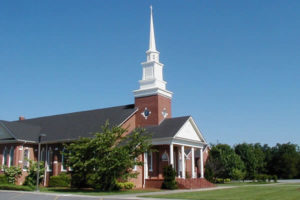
[152,45]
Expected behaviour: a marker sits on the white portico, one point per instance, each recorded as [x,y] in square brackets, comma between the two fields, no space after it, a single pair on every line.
[177,148]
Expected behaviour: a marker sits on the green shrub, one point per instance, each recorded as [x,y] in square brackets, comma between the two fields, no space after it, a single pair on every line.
[269,178]
[261,177]
[3,179]
[30,179]
[12,173]
[275,178]
[169,178]
[219,180]
[16,187]
[62,180]
[125,185]
[238,174]
[227,180]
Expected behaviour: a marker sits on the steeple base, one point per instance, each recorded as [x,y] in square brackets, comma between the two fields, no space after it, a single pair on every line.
[151,92]
[152,110]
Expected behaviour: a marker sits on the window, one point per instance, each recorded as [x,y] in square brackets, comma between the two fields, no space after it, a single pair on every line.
[11,156]
[49,160]
[4,156]
[165,157]
[135,166]
[63,161]
[42,158]
[150,159]
[26,159]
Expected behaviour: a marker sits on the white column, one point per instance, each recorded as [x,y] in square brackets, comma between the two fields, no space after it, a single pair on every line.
[145,168]
[182,162]
[178,163]
[201,162]
[193,163]
[172,155]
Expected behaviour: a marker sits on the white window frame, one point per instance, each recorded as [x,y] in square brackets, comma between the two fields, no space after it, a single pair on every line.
[150,164]
[62,161]
[11,158]
[28,156]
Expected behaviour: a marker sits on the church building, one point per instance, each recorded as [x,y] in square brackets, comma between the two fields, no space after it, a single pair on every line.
[178,140]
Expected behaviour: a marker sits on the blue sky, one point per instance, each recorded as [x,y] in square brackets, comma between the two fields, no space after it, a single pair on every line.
[233,65]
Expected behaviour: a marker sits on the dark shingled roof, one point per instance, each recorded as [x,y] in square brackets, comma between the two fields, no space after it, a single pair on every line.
[168,128]
[69,126]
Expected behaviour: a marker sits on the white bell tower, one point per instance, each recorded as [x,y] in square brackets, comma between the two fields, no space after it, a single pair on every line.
[152,82]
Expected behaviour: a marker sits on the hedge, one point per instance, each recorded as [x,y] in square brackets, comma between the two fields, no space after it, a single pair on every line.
[3,179]
[62,180]
[15,187]
[125,185]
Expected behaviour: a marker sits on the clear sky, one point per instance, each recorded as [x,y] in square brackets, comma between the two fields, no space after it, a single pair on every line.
[233,65]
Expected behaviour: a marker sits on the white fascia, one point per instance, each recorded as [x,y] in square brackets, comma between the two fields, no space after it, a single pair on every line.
[177,141]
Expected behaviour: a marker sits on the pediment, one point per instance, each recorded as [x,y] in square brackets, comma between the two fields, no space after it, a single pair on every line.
[189,131]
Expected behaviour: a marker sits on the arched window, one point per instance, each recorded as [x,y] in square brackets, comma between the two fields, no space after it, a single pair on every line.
[49,160]
[4,156]
[63,161]
[11,156]
[165,157]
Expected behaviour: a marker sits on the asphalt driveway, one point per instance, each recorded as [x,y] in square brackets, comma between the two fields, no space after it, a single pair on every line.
[15,195]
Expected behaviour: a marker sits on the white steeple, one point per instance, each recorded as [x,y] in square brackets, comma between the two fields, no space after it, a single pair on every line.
[152,82]
[152,45]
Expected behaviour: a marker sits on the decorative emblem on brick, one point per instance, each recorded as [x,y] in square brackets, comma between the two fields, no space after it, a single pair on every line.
[164,113]
[146,113]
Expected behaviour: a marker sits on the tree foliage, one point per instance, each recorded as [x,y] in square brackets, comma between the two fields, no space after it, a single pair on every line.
[282,161]
[223,162]
[169,178]
[30,179]
[109,156]
[253,158]
[285,160]
[12,173]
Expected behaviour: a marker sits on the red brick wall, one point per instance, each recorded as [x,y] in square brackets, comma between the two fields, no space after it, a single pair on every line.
[155,104]
[129,124]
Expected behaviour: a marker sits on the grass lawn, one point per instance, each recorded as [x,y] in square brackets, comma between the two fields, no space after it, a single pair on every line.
[95,192]
[243,183]
[246,192]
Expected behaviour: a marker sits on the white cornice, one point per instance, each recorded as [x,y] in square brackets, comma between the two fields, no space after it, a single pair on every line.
[152,91]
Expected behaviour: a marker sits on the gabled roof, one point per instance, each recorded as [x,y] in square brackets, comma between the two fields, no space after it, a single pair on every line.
[168,128]
[68,126]
[179,130]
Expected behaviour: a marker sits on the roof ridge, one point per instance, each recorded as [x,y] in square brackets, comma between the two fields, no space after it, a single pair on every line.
[70,113]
